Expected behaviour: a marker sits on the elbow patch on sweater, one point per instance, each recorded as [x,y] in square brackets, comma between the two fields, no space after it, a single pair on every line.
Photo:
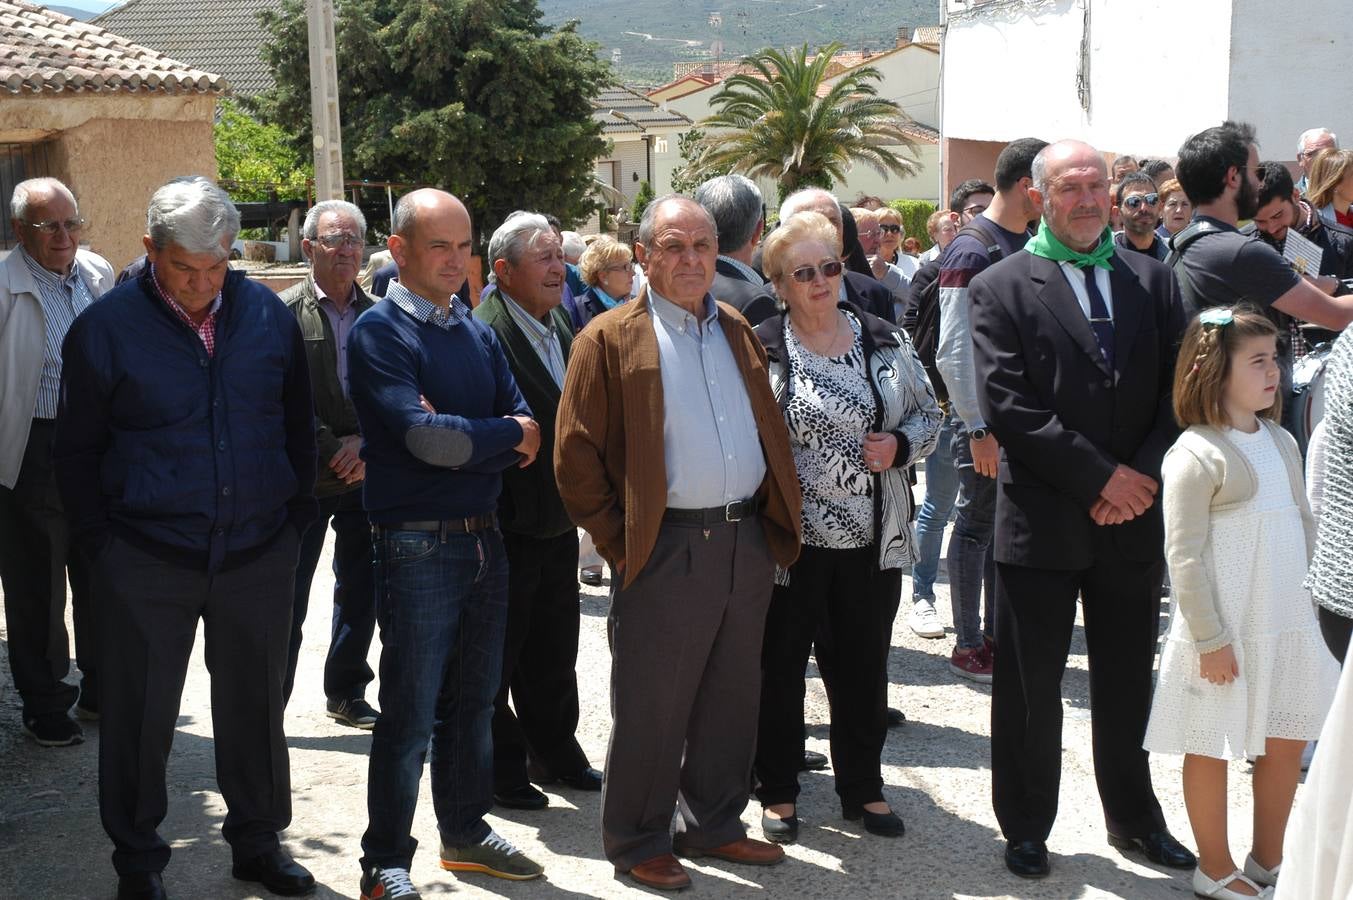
[439,446]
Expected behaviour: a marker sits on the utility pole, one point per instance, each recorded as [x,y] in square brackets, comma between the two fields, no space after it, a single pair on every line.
[328,138]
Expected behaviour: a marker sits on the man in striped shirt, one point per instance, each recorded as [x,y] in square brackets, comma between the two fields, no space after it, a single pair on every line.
[44,284]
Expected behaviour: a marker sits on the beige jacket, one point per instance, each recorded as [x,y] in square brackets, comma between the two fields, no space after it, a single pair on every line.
[1205,473]
[23,334]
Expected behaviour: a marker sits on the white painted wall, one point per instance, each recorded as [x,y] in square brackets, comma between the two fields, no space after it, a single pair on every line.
[911,77]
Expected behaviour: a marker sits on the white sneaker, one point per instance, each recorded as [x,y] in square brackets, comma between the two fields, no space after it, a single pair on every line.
[1220,890]
[1259,875]
[923,619]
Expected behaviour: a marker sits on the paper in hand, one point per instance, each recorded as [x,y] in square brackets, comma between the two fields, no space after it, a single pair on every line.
[1304,255]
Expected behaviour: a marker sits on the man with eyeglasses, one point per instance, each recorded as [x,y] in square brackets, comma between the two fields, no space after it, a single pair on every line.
[672,453]
[1311,142]
[326,305]
[1136,202]
[44,284]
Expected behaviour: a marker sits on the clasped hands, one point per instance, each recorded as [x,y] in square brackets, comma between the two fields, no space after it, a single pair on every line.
[1127,494]
[530,434]
[346,463]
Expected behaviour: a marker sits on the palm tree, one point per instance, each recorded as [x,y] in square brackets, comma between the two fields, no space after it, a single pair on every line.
[771,122]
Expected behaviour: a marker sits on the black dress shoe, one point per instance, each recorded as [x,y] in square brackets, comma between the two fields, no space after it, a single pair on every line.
[277,872]
[522,797]
[141,886]
[896,718]
[887,824]
[780,831]
[1027,859]
[588,779]
[1160,847]
[813,761]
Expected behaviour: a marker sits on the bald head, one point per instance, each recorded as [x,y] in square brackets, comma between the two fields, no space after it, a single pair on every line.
[1072,183]
[431,243]
[816,200]
[678,244]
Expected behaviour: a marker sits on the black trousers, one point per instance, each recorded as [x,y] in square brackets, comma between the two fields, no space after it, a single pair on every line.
[353,623]
[35,558]
[1336,630]
[148,613]
[842,598]
[1035,616]
[540,655]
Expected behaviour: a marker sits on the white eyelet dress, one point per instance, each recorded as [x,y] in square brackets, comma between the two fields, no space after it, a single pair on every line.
[1256,559]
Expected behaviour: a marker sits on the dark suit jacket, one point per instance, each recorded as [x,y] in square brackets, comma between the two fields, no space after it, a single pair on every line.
[756,302]
[1063,420]
[869,295]
[530,503]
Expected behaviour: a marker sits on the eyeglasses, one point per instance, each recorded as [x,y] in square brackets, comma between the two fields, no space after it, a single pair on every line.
[975,209]
[1137,200]
[626,267]
[335,241]
[890,229]
[51,227]
[805,274]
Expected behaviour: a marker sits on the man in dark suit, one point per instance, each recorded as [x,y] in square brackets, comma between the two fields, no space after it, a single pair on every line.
[862,290]
[1074,344]
[541,646]
[735,203]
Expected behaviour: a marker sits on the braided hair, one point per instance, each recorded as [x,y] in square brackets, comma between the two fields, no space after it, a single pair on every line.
[1204,363]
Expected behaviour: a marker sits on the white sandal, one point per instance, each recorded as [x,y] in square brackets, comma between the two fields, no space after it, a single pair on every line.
[1217,890]
[1258,874]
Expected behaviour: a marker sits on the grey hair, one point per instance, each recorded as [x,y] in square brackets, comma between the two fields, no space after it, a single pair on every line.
[406,208]
[26,191]
[574,245]
[310,230]
[1311,134]
[194,214]
[649,218]
[803,201]
[517,232]
[1038,171]
[735,203]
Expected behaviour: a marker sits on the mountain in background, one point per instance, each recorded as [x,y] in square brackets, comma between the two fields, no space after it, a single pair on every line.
[652,35]
[84,10]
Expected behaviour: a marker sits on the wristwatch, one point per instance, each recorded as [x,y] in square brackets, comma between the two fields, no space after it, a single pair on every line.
[978,434]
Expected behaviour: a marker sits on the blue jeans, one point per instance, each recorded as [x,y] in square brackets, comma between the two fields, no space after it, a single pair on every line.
[970,563]
[941,487]
[441,604]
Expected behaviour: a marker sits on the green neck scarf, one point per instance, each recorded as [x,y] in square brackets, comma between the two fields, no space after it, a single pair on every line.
[1046,245]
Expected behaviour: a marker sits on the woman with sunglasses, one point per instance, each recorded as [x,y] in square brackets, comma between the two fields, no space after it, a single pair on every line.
[860,412]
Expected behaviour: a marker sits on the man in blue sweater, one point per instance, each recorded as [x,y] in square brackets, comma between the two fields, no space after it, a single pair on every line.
[441,418]
[185,454]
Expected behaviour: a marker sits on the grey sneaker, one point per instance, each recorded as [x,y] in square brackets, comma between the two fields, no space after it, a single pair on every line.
[494,856]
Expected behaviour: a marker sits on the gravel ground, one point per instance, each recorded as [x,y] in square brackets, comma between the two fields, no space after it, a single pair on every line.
[936,771]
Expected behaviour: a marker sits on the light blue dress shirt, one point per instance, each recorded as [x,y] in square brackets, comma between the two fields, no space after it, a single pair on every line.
[709,435]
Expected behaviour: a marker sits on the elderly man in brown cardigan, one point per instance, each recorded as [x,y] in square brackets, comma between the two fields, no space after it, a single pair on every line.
[672,453]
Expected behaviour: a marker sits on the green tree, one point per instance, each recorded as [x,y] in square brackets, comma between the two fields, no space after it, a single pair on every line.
[642,198]
[253,159]
[687,176]
[772,123]
[474,96]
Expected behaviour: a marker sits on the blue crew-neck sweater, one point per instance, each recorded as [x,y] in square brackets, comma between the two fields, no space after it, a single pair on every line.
[394,359]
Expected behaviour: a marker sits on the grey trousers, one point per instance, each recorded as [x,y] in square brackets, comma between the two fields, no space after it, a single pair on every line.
[685,686]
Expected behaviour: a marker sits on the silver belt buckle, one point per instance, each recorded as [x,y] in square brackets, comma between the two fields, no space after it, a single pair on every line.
[728,513]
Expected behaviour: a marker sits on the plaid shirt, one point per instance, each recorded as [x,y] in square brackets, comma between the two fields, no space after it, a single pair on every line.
[206,330]
[423,310]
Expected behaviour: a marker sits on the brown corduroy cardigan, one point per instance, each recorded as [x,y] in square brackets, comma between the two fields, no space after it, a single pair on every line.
[609,458]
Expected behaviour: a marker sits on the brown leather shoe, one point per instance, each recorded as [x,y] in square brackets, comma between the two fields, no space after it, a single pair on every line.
[748,851]
[664,873]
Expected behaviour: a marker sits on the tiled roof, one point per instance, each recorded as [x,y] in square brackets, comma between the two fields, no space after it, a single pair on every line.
[927,34]
[621,110]
[221,35]
[42,51]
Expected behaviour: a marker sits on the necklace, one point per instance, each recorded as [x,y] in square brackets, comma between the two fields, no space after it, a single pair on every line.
[826,347]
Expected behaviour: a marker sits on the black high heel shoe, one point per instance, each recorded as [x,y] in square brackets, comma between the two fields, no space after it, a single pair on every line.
[882,824]
[780,831]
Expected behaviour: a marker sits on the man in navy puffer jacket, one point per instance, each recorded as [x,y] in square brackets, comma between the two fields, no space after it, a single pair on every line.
[185,452]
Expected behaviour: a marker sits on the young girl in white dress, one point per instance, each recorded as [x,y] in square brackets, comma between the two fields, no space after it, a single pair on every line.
[1244,671]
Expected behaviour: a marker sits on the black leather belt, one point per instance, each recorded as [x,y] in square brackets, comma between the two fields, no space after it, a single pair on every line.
[715,515]
[443,527]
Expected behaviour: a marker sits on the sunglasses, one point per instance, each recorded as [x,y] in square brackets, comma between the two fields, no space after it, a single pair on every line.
[890,229]
[1137,200]
[805,274]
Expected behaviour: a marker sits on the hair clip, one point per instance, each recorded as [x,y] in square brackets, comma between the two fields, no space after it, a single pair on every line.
[1219,316]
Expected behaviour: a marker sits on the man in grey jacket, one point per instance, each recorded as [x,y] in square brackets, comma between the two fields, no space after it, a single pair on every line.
[44,285]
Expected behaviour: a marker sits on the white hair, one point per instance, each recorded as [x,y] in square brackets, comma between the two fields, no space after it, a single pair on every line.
[310,230]
[805,200]
[26,192]
[194,214]
[517,232]
[574,245]
[1310,134]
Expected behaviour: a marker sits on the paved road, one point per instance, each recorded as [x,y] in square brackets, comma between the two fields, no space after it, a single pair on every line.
[936,774]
